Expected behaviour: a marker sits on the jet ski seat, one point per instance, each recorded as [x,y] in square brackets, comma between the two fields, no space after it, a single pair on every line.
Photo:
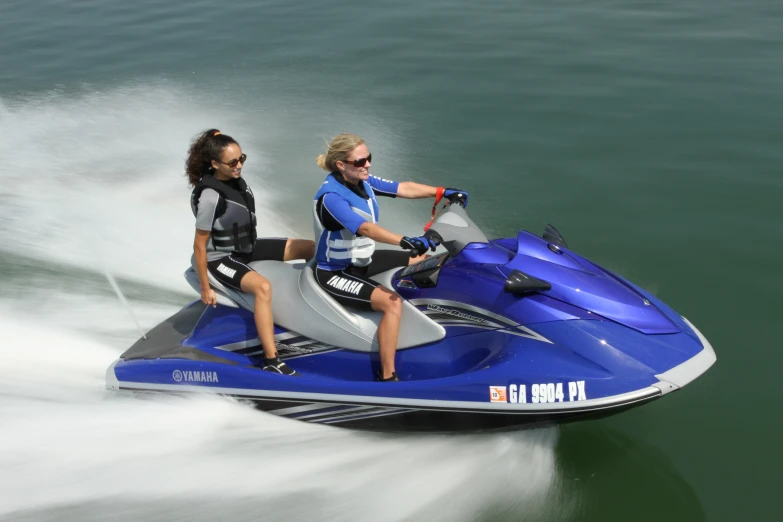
[301,305]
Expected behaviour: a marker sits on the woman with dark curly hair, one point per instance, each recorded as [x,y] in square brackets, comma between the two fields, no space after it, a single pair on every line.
[226,233]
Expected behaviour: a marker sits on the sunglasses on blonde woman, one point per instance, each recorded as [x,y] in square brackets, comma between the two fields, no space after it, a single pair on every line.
[360,162]
[234,162]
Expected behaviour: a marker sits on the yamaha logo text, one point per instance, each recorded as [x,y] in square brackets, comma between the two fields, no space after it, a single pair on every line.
[189,376]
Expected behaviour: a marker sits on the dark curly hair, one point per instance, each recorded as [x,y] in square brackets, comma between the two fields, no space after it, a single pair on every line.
[206,147]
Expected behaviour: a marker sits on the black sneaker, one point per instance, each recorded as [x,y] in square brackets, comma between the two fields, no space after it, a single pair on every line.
[277,366]
[393,378]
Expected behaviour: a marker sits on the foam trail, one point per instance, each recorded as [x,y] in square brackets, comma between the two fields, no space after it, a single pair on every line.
[99,177]
[69,449]
[83,174]
[124,301]
[65,441]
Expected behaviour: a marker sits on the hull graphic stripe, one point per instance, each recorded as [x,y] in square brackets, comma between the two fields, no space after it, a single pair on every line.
[304,407]
[346,418]
[330,414]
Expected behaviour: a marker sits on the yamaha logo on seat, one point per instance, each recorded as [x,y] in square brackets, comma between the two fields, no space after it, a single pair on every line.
[340,283]
[189,376]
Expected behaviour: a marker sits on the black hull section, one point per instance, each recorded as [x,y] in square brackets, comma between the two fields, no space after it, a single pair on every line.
[388,419]
[444,421]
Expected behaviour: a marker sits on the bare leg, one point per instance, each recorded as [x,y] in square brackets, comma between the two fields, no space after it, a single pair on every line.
[384,300]
[416,259]
[299,249]
[256,284]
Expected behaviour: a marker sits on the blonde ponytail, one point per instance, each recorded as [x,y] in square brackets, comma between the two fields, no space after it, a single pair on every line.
[339,149]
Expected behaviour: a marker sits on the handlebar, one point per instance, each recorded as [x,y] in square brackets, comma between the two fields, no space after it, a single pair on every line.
[457,198]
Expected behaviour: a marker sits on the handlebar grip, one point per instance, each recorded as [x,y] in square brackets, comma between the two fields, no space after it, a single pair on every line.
[431,234]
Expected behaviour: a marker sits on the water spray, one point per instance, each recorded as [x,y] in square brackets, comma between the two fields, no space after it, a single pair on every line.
[124,301]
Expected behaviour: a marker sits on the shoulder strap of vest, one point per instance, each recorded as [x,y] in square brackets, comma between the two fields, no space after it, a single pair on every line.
[243,196]
[195,196]
[247,195]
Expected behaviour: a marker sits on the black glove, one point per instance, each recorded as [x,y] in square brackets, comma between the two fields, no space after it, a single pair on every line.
[419,245]
[460,194]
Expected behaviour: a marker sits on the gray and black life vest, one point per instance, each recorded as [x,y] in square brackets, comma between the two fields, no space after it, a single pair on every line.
[234,224]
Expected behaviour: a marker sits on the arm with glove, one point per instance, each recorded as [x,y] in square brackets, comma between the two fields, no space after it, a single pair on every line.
[411,190]
[417,245]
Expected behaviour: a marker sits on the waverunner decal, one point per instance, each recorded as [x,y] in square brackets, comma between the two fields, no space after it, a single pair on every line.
[539,393]
[454,313]
[439,310]
[189,376]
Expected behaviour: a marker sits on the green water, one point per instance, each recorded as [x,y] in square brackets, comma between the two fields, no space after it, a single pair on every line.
[647,132]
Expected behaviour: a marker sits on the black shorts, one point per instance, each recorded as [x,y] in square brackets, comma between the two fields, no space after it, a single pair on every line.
[352,286]
[230,269]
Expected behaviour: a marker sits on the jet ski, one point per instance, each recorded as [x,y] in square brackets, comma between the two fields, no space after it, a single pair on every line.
[507,333]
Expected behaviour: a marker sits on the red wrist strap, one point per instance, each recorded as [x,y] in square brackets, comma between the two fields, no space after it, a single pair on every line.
[438,196]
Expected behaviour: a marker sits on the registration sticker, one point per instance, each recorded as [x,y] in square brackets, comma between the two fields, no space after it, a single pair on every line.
[497,394]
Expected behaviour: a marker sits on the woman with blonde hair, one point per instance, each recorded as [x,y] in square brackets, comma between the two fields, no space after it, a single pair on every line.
[226,239]
[346,229]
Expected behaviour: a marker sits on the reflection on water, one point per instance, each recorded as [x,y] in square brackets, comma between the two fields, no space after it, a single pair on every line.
[615,477]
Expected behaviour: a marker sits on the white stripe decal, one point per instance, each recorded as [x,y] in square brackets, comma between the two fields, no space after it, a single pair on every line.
[346,418]
[330,414]
[488,407]
[305,407]
[467,324]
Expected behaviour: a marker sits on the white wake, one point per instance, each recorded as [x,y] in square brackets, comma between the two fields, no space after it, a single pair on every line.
[94,181]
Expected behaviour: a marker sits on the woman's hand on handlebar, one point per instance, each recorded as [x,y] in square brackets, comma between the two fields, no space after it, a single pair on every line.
[418,245]
[456,195]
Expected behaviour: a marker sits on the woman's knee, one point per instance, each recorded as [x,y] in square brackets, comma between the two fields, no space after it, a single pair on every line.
[395,306]
[258,285]
[265,288]
[383,300]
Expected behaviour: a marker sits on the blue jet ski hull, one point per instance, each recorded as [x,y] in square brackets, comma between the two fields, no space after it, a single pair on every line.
[470,381]
[507,333]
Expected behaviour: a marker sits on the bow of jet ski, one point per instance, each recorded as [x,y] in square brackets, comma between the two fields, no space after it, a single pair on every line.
[508,333]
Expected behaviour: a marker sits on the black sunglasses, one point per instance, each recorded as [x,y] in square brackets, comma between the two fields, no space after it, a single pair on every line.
[233,163]
[361,162]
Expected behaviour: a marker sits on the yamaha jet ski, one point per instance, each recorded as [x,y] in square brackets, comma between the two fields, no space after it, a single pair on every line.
[507,333]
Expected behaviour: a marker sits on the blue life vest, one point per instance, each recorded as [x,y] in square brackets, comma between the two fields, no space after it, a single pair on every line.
[337,250]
